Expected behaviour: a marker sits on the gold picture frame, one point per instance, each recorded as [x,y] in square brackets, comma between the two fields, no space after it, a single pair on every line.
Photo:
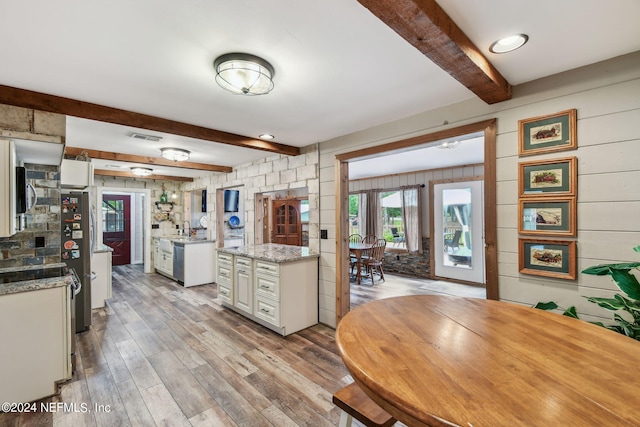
[547,134]
[547,217]
[542,178]
[548,258]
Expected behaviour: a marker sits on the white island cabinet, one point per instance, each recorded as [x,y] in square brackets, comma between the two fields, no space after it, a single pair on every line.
[273,285]
[101,282]
[36,338]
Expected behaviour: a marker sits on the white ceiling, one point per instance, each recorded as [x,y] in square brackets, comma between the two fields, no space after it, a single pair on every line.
[338,68]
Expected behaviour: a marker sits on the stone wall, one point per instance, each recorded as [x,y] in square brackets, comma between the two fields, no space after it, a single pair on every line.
[44,218]
[418,265]
[42,221]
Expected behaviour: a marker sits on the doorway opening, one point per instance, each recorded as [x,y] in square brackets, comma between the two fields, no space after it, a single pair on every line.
[488,131]
[124,224]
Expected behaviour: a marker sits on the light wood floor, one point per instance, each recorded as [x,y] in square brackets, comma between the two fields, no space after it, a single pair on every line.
[160,354]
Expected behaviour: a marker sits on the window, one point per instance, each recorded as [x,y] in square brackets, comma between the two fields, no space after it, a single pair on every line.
[393,228]
[112,216]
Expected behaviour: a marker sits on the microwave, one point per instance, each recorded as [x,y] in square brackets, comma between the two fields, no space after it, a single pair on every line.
[21,190]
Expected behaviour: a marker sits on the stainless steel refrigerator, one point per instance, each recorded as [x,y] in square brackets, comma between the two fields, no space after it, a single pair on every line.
[77,238]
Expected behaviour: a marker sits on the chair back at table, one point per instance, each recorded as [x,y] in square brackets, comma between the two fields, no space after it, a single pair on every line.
[355,238]
[375,259]
[369,239]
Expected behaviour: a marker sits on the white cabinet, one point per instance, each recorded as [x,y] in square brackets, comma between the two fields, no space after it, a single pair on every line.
[7,188]
[163,258]
[225,278]
[36,343]
[76,174]
[243,284]
[199,263]
[280,296]
[101,285]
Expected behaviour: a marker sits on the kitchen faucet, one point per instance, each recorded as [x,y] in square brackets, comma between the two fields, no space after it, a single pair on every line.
[183,228]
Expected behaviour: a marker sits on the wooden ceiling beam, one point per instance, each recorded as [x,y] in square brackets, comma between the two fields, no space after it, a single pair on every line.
[86,110]
[131,158]
[426,26]
[105,172]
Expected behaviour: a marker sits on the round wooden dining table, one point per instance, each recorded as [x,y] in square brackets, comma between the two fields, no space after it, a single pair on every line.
[448,361]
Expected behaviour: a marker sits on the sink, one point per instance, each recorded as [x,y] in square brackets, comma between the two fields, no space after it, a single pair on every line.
[166,245]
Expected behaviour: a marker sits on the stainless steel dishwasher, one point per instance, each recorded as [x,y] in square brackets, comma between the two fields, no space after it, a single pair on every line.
[178,261]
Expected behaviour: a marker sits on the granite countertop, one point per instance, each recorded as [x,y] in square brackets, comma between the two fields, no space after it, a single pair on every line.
[273,252]
[185,239]
[32,285]
[102,248]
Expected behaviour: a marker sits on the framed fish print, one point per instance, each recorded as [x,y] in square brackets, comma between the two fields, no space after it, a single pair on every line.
[556,177]
[545,216]
[546,134]
[549,258]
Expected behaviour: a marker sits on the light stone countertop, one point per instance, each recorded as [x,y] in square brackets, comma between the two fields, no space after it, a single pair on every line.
[273,252]
[185,240]
[102,248]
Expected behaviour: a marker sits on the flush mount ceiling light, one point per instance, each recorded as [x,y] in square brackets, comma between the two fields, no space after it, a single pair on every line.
[508,44]
[141,171]
[449,144]
[244,74]
[175,154]
[266,136]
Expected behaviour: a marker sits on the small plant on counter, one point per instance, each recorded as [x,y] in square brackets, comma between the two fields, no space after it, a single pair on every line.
[628,283]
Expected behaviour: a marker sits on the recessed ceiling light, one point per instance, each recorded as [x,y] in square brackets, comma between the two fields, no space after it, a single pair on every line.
[266,136]
[508,44]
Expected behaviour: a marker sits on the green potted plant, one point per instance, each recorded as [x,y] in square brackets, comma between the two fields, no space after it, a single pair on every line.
[627,282]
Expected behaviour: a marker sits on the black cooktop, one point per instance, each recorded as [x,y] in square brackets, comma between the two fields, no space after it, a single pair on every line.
[37,272]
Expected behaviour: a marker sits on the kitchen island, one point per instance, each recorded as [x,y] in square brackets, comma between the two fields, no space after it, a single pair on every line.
[273,285]
[188,261]
[35,315]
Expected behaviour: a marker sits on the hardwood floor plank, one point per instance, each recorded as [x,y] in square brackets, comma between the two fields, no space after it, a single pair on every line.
[141,370]
[87,345]
[314,395]
[187,392]
[212,417]
[240,410]
[119,370]
[107,407]
[74,395]
[146,338]
[139,415]
[237,381]
[163,408]
[189,357]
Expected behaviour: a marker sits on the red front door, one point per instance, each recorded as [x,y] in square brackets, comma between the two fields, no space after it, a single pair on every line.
[116,226]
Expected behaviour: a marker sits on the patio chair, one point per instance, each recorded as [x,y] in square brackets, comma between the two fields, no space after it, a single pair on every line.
[397,238]
[453,243]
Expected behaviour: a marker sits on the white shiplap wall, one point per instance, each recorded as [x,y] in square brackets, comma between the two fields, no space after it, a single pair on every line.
[607,99]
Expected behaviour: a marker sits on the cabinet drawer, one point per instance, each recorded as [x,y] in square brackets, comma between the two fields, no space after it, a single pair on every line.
[268,310]
[225,258]
[225,273]
[225,293]
[243,263]
[268,286]
[270,268]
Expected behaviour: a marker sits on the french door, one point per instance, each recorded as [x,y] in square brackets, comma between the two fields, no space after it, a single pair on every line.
[458,231]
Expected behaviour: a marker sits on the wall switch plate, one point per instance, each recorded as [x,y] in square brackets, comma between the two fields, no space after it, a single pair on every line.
[324,234]
[40,242]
